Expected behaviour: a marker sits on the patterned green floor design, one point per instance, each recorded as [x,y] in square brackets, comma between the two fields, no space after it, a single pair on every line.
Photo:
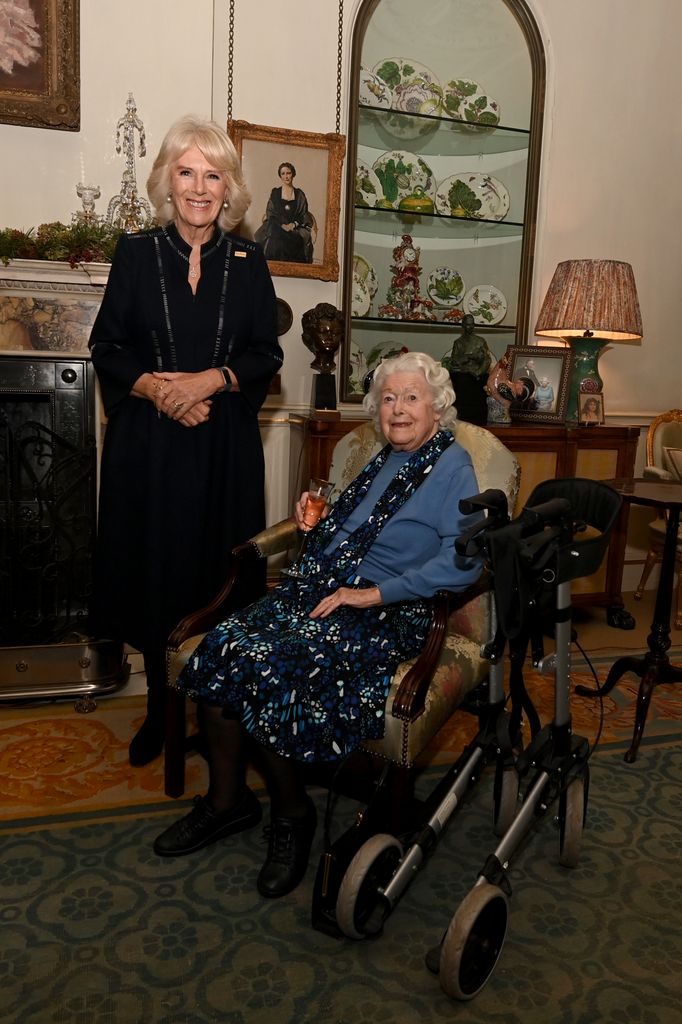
[95,929]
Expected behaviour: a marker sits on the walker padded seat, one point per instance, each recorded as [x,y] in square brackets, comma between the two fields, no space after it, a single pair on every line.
[426,690]
[593,503]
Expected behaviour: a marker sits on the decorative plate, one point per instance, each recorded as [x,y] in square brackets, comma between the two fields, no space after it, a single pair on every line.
[470,194]
[400,173]
[485,303]
[360,299]
[373,91]
[285,317]
[358,369]
[363,271]
[445,287]
[367,186]
[415,90]
[467,101]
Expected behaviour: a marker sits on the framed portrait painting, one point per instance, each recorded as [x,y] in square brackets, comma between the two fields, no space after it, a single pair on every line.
[295,183]
[40,63]
[548,371]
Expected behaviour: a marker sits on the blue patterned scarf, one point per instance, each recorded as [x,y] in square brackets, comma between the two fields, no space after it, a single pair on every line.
[340,565]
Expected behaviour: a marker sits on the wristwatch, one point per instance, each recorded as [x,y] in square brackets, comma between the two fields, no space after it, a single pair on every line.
[226,377]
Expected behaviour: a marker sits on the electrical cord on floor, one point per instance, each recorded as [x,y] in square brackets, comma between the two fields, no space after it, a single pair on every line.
[600,729]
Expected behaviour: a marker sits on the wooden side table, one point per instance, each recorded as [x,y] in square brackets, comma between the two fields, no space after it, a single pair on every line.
[654,666]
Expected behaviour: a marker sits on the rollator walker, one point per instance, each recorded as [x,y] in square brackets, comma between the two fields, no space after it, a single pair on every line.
[384,865]
[561,535]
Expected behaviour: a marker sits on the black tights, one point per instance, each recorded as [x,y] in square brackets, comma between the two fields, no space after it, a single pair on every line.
[226,755]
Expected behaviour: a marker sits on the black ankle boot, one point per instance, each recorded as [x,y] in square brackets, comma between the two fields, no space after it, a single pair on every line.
[147,743]
[289,842]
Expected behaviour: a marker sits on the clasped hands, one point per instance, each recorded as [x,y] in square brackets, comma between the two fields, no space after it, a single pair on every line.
[184,397]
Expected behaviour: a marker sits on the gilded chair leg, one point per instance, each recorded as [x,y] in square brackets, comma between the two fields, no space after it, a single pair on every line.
[651,559]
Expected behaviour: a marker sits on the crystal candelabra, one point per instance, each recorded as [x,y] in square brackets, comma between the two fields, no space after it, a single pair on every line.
[128,209]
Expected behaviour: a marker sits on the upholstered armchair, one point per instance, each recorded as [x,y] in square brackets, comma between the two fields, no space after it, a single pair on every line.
[426,690]
[663,462]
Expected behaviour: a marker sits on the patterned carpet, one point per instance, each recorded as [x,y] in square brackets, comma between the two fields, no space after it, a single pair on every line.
[55,762]
[95,929]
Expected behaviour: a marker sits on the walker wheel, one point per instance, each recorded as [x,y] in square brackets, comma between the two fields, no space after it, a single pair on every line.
[473,941]
[572,813]
[506,803]
[360,907]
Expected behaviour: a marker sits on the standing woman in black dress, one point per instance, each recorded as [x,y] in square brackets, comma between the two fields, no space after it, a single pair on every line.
[185,346]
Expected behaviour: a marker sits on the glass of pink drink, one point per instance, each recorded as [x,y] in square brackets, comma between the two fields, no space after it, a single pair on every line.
[319,492]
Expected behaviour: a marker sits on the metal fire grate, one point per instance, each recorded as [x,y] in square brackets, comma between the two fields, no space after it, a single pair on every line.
[48,469]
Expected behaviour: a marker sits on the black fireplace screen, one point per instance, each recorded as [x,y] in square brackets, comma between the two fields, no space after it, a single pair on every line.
[47,499]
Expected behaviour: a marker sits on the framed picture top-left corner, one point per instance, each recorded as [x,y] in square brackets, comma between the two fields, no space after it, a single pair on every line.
[294,178]
[40,64]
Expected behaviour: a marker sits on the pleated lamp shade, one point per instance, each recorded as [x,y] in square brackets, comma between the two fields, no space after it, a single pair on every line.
[595,298]
[589,303]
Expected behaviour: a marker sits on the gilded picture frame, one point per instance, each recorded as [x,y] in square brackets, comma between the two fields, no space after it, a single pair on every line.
[539,364]
[40,66]
[307,246]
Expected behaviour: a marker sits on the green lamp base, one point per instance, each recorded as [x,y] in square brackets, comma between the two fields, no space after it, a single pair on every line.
[585,373]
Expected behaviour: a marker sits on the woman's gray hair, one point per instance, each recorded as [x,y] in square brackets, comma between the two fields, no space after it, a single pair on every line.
[219,151]
[437,378]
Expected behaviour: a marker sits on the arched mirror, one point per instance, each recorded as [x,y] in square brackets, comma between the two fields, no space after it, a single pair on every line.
[446,105]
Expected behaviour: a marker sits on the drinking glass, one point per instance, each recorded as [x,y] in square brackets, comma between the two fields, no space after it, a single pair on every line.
[319,492]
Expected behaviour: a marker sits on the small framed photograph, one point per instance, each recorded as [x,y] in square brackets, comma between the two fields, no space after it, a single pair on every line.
[40,64]
[590,409]
[295,183]
[545,372]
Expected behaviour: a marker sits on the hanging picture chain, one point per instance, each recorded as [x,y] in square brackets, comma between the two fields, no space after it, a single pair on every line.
[230,64]
[339,68]
[230,60]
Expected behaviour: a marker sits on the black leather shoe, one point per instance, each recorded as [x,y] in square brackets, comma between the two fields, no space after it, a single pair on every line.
[147,743]
[289,842]
[203,826]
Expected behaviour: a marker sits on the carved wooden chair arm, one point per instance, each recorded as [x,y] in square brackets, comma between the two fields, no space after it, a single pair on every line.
[410,698]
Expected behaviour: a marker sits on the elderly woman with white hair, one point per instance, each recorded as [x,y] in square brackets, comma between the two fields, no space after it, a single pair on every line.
[304,672]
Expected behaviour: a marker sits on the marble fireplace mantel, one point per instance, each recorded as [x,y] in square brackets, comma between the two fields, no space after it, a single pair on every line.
[49,306]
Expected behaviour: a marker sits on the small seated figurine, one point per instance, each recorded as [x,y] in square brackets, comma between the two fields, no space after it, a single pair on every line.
[470,352]
[503,392]
[469,363]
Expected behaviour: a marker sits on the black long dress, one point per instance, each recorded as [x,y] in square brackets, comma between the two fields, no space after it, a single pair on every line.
[173,499]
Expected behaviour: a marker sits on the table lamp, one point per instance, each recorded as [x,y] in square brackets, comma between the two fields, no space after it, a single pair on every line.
[588,304]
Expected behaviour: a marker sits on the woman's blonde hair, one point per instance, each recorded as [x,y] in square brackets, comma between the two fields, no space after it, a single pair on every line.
[436,376]
[218,149]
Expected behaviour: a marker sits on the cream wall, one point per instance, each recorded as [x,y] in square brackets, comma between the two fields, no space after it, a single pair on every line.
[612,148]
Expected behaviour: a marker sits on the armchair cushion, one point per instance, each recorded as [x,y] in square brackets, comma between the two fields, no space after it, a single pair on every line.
[673,461]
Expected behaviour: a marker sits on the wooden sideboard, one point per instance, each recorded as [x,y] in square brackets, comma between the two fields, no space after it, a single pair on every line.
[544,453]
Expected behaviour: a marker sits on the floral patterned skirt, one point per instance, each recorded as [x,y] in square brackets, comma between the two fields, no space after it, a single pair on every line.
[310,689]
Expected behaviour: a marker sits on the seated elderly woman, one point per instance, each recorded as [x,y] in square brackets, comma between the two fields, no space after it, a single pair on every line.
[303,674]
